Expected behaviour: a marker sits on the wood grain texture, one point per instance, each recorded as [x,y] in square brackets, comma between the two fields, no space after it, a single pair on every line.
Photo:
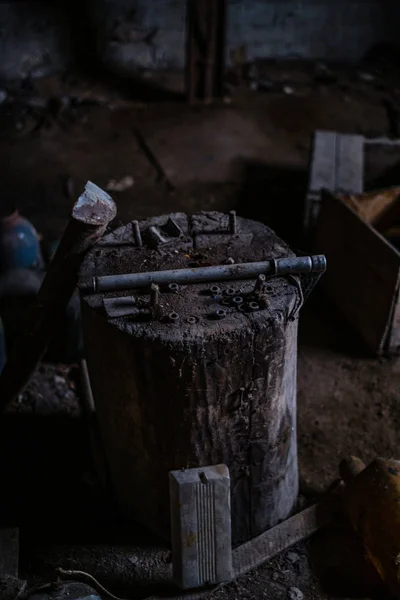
[322,172]
[337,165]
[349,175]
[173,396]
[362,277]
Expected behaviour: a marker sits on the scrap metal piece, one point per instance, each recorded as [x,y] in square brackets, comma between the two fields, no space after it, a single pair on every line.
[214,290]
[220,314]
[154,294]
[201,526]
[232,222]
[155,237]
[120,307]
[136,234]
[252,306]
[173,229]
[260,283]
[281,266]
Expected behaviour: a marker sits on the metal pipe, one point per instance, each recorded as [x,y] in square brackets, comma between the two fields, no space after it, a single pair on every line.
[154,294]
[278,266]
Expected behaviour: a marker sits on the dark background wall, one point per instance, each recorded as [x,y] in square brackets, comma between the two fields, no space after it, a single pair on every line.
[37,37]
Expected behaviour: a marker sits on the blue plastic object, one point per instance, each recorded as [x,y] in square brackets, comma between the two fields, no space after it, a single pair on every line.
[19,244]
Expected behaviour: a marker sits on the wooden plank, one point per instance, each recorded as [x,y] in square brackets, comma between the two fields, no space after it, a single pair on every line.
[120,306]
[374,207]
[363,270]
[349,164]
[254,553]
[322,173]
[299,527]
[337,165]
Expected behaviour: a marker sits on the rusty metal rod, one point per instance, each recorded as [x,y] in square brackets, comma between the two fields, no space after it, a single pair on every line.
[278,266]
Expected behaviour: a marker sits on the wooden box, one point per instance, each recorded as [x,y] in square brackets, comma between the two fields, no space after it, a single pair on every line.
[346,218]
[363,268]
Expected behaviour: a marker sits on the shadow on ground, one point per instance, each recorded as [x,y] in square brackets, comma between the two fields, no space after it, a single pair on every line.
[274,195]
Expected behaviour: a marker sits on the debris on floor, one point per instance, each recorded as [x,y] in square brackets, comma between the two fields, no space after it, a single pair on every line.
[121,185]
[59,461]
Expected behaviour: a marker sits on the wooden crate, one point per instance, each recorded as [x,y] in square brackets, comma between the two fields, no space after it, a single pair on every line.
[362,276]
[345,163]
[363,273]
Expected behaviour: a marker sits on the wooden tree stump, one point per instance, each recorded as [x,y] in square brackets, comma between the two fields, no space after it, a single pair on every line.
[200,390]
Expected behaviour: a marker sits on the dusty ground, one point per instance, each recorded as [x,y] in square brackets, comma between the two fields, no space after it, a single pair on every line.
[251,154]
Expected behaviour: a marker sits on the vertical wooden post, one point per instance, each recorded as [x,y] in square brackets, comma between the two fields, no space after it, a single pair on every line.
[205,49]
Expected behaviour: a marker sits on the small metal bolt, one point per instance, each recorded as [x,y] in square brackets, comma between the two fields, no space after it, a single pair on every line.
[241,307]
[229,291]
[220,313]
[253,306]
[224,301]
[264,302]
[154,294]
[173,287]
[232,221]
[230,261]
[173,317]
[237,300]
[137,236]
[260,283]
[215,289]
[191,320]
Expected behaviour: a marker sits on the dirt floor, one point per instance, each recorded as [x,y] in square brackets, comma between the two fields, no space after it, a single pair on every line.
[250,153]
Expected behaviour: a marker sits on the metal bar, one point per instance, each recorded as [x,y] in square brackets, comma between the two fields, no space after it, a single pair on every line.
[279,266]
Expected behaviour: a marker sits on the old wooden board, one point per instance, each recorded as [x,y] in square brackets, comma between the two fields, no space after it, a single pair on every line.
[198,390]
[362,277]
[337,165]
[254,553]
